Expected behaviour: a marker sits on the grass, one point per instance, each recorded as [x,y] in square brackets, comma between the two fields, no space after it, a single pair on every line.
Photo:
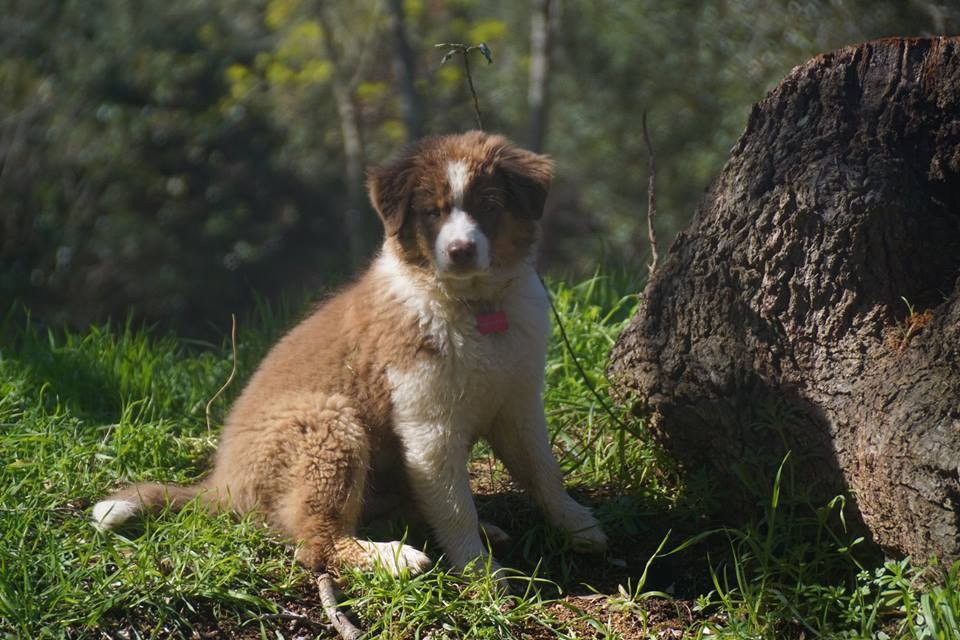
[81,414]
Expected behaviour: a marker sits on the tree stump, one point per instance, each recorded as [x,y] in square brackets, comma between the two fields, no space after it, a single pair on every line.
[818,283]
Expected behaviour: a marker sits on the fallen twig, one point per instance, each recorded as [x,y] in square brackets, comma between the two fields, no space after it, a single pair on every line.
[290,616]
[328,598]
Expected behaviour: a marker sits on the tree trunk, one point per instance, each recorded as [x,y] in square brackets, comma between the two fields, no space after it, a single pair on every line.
[356,220]
[543,18]
[405,67]
[814,303]
[354,166]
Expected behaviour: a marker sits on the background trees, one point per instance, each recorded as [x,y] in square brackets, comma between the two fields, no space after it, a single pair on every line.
[173,157]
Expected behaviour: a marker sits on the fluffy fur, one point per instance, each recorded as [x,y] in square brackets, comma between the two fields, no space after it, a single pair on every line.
[381,393]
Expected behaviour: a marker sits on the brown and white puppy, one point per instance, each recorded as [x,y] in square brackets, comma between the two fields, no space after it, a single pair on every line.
[389,383]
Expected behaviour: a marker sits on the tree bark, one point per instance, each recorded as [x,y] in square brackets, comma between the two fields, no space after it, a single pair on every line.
[813,304]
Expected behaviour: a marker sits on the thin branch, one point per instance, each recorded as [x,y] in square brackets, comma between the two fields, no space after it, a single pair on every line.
[464,50]
[583,374]
[328,598]
[473,92]
[233,371]
[651,199]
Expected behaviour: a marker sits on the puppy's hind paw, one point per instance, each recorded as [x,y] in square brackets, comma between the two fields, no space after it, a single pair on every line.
[395,557]
[589,540]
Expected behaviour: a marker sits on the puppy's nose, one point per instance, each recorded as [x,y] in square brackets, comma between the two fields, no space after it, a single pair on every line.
[462,252]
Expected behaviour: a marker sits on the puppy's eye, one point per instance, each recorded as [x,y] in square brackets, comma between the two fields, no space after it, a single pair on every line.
[434,213]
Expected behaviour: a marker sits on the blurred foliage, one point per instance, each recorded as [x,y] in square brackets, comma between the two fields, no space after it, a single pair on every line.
[174,156]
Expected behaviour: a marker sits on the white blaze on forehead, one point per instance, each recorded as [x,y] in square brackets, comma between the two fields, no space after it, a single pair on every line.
[460,227]
[458,176]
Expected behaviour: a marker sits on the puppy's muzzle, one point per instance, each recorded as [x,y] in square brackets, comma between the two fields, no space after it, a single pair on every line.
[463,254]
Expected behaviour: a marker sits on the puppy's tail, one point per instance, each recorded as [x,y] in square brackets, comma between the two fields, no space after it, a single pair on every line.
[134,501]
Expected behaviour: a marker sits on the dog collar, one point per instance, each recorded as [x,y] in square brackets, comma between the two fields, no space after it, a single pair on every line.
[495,322]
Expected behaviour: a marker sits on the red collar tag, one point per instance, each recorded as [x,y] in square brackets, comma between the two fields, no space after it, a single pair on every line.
[495,322]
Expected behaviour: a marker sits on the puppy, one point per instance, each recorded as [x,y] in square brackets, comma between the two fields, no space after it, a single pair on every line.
[387,386]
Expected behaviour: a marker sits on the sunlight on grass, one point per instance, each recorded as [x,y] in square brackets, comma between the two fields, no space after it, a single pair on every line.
[81,414]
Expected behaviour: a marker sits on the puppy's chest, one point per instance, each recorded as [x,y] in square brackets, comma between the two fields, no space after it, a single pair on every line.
[467,374]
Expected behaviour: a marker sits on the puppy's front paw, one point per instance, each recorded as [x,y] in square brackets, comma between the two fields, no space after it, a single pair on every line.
[591,540]
[585,533]
[396,556]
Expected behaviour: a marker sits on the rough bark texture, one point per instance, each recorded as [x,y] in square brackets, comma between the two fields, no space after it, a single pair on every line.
[785,296]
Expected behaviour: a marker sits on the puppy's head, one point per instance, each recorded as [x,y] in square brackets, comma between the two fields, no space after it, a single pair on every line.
[462,206]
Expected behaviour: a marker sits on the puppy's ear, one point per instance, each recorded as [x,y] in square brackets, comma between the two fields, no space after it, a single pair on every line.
[528,177]
[391,189]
